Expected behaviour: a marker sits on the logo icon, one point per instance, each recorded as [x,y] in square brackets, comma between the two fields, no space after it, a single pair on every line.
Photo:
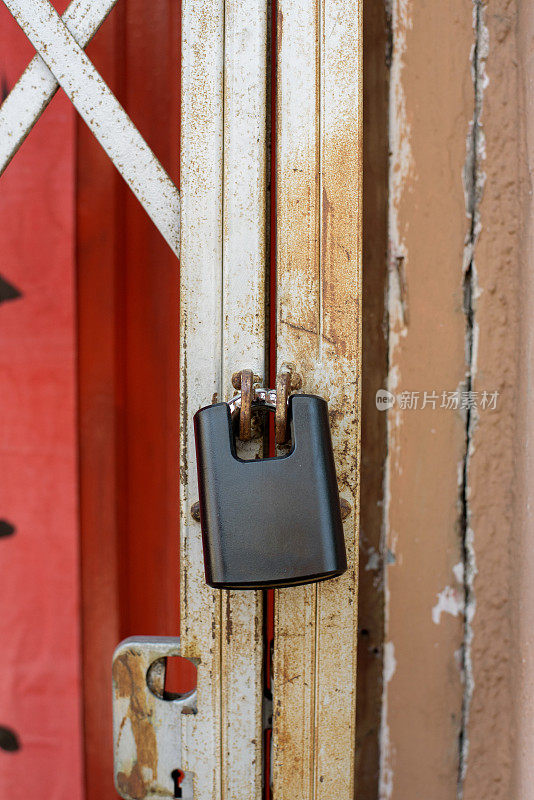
[384,400]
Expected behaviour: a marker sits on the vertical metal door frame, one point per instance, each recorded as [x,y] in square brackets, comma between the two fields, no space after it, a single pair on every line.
[223,328]
[222,299]
[318,143]
[318,327]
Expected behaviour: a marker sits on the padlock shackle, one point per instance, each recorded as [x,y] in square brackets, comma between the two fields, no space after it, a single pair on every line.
[276,400]
[263,397]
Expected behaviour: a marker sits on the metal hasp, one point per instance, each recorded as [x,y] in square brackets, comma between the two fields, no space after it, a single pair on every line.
[271,521]
[147,722]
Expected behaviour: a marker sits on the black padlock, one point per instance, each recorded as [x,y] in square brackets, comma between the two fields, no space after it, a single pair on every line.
[272,521]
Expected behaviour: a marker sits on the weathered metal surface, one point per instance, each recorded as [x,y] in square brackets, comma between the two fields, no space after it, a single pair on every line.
[318,328]
[287,381]
[243,345]
[245,411]
[146,723]
[248,424]
[30,96]
[200,363]
[222,330]
[99,108]
[280,420]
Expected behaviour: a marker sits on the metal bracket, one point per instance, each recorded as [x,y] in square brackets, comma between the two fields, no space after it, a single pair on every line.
[147,721]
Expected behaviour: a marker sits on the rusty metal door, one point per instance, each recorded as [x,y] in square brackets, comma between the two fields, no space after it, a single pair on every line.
[219,226]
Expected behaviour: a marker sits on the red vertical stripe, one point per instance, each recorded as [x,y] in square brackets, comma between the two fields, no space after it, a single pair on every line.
[128,372]
[39,575]
[269,594]
[100,195]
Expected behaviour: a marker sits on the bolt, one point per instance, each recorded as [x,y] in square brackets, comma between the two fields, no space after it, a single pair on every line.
[195,511]
[345,507]
[236,380]
[296,379]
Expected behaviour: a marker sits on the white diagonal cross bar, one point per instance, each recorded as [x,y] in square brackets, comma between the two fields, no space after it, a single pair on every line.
[36,87]
[103,114]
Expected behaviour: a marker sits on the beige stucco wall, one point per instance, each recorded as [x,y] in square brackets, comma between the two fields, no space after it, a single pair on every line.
[523,575]
[458,546]
[431,104]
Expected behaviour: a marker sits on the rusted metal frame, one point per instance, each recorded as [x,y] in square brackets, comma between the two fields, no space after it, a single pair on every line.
[36,87]
[246,387]
[243,345]
[223,185]
[200,364]
[103,114]
[318,328]
[283,380]
[287,381]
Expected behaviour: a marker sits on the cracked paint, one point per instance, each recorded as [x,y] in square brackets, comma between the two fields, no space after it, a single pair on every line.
[474,179]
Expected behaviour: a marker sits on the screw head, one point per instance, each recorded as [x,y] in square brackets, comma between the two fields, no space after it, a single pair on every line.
[236,380]
[295,382]
[345,507]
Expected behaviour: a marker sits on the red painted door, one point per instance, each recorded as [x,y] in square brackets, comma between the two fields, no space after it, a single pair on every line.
[89,410]
[40,675]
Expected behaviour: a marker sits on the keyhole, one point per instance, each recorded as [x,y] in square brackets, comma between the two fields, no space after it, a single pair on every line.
[177,775]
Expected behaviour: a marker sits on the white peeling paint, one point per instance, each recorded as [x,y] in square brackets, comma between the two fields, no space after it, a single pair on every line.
[394,378]
[390,662]
[386,761]
[399,127]
[401,167]
[458,572]
[373,561]
[386,751]
[450,601]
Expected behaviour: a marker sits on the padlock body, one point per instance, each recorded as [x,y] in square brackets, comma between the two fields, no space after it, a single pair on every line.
[272,521]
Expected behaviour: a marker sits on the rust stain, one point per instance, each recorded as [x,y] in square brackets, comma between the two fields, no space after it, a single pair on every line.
[133,784]
[341,249]
[319,281]
[314,331]
[229,621]
[129,681]
[403,289]
[279,28]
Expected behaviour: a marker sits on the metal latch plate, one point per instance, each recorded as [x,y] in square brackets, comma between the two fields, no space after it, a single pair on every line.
[147,722]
